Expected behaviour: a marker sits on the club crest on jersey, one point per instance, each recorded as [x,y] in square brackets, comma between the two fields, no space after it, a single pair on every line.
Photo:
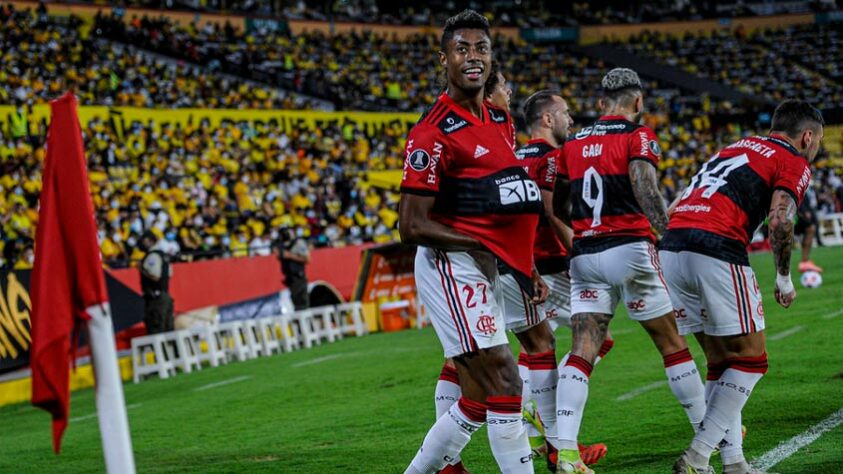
[419,160]
[655,148]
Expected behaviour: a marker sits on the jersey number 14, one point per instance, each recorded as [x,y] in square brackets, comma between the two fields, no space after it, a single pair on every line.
[713,175]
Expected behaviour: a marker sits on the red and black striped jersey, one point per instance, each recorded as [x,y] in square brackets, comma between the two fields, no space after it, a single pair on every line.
[540,160]
[604,211]
[730,196]
[481,188]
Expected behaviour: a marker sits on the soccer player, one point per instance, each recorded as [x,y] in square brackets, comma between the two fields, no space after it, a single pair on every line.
[548,120]
[714,289]
[496,91]
[467,202]
[614,200]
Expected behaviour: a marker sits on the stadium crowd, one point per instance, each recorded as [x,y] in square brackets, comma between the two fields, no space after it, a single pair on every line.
[522,14]
[753,63]
[225,190]
[214,191]
[42,56]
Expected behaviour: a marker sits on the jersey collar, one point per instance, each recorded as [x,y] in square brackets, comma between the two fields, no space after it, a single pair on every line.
[462,112]
[782,142]
[611,117]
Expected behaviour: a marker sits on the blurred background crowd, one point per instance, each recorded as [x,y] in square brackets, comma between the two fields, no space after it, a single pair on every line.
[227,188]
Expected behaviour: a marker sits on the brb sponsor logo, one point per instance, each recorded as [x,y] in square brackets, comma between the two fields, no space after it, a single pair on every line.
[636,305]
[680,313]
[550,314]
[514,190]
[588,294]
[486,325]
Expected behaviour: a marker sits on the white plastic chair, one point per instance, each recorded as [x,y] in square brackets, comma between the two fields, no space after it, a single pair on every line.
[269,335]
[308,332]
[213,352]
[162,358]
[325,323]
[233,344]
[186,356]
[350,319]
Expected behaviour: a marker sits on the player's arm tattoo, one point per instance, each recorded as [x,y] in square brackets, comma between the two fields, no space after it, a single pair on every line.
[782,211]
[590,331]
[645,186]
[562,200]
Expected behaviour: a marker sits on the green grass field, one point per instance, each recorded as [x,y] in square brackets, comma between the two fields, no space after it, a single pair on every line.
[364,404]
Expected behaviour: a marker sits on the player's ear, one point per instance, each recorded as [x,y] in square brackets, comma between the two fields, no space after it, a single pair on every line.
[443,59]
[639,103]
[601,104]
[807,138]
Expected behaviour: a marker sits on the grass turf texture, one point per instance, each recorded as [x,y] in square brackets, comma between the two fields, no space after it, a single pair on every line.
[365,404]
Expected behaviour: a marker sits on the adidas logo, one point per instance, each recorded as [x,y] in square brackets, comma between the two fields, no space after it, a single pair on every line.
[480,151]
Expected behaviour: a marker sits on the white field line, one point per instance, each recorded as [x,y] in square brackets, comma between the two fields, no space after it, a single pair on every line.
[222,383]
[638,391]
[94,415]
[319,360]
[786,448]
[834,314]
[786,333]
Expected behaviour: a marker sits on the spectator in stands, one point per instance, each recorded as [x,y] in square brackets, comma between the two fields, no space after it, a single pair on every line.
[294,255]
[155,284]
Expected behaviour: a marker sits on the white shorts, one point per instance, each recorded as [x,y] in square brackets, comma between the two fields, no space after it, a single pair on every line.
[521,315]
[464,303]
[557,308]
[628,272]
[712,296]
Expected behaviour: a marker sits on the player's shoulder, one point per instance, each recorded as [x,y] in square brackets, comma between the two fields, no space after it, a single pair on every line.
[535,149]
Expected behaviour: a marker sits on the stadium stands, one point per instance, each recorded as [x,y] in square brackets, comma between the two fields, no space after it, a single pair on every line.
[753,62]
[221,188]
[42,57]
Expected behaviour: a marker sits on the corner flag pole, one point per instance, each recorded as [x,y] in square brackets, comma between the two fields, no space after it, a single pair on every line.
[111,407]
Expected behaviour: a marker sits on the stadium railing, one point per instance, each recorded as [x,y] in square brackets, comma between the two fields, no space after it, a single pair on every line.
[166,354]
[831,229]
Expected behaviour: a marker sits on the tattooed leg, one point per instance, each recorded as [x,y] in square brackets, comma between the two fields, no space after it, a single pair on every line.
[589,332]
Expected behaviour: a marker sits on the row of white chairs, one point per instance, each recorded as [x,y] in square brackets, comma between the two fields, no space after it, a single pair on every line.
[186,350]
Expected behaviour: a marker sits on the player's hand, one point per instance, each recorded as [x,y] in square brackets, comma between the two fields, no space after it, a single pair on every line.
[785,292]
[540,289]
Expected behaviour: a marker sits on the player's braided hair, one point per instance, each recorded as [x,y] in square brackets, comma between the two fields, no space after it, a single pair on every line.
[621,84]
[793,116]
[464,20]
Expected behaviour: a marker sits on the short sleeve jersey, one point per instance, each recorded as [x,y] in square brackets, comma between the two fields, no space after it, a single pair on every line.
[481,189]
[730,196]
[604,211]
[540,159]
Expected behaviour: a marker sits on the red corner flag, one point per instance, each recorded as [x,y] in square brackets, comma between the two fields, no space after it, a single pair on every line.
[67,278]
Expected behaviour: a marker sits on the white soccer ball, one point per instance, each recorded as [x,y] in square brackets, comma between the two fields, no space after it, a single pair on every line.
[811,279]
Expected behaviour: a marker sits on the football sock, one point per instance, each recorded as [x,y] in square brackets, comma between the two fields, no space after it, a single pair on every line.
[684,381]
[544,377]
[448,436]
[447,390]
[604,349]
[508,434]
[571,395]
[727,401]
[731,448]
[524,373]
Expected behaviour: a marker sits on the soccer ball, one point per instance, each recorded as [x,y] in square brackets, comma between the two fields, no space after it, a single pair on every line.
[811,279]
